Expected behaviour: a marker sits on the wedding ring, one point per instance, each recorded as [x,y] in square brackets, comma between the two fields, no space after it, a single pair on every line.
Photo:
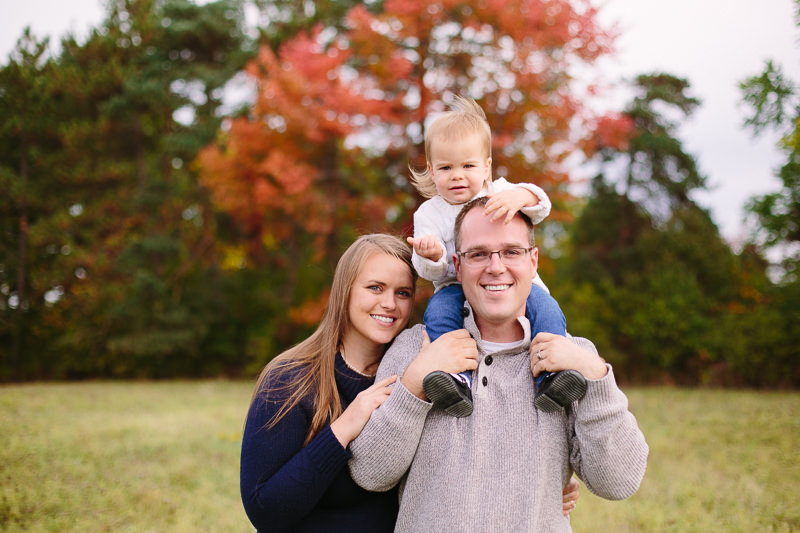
[539,355]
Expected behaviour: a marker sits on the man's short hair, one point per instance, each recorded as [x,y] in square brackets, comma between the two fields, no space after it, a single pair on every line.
[481,202]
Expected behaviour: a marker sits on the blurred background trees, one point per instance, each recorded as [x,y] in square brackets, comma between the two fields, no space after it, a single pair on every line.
[157,226]
[339,111]
[109,245]
[647,274]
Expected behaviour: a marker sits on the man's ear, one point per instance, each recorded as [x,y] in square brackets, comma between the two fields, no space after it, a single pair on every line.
[535,258]
[457,264]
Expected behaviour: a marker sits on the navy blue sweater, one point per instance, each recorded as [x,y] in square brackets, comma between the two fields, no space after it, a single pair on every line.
[286,486]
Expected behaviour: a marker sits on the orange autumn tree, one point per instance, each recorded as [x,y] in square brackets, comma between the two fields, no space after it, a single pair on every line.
[339,114]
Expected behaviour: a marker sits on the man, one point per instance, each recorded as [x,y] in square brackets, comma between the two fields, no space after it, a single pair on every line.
[503,467]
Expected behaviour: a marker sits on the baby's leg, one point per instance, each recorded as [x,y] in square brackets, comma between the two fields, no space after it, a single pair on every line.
[443,313]
[559,389]
[544,313]
[450,392]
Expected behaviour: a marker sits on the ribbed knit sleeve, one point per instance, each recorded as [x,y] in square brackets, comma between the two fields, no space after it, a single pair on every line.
[281,480]
[608,450]
[385,448]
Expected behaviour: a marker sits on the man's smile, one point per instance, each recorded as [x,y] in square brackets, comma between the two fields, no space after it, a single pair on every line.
[497,287]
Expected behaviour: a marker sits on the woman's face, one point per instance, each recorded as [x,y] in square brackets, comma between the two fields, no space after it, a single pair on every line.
[380,301]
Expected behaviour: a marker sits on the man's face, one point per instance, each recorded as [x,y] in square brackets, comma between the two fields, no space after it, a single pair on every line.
[497,292]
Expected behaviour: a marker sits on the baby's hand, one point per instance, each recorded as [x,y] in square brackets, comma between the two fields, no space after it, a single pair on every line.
[427,247]
[507,203]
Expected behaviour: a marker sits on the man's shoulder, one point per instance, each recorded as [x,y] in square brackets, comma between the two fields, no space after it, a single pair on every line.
[402,351]
[584,343]
[408,337]
[409,340]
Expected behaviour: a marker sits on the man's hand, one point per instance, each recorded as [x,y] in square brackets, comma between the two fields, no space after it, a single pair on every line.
[455,351]
[507,203]
[553,353]
[427,247]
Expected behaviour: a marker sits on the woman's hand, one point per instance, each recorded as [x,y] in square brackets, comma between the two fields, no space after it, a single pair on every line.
[354,418]
[455,351]
[571,493]
[552,353]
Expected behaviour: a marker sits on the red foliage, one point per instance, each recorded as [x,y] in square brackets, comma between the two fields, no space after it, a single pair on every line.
[294,164]
[612,131]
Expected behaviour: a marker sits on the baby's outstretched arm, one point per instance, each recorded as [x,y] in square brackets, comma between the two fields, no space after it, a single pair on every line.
[508,202]
[427,247]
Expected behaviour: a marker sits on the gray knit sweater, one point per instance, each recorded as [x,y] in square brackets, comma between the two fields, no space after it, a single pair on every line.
[503,468]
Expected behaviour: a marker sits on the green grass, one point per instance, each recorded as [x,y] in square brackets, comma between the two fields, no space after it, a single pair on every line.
[719,460]
[165,456]
[122,457]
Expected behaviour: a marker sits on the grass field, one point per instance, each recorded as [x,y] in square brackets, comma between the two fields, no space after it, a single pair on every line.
[164,457]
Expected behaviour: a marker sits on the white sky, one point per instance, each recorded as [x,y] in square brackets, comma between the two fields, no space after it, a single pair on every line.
[715,44]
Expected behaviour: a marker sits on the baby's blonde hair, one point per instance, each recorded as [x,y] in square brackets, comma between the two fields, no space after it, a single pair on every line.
[464,118]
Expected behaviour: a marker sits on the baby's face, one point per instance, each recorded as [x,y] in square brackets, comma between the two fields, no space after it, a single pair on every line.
[460,168]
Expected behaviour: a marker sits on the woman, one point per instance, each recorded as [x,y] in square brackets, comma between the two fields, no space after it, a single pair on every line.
[314,398]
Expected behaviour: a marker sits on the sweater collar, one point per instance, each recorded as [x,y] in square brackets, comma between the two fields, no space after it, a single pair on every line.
[472,328]
[350,382]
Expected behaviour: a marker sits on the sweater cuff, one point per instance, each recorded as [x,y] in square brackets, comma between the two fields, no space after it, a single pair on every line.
[408,404]
[326,452]
[431,270]
[538,212]
[601,393]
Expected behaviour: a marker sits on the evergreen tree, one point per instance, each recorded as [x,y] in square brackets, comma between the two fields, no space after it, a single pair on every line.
[651,277]
[29,174]
[134,277]
[774,101]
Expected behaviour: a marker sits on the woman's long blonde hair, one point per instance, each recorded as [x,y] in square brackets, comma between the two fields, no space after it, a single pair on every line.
[310,364]
[464,118]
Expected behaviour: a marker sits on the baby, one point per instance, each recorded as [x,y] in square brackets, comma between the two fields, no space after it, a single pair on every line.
[459,168]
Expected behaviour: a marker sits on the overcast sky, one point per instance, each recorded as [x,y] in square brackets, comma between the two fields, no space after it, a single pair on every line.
[715,44]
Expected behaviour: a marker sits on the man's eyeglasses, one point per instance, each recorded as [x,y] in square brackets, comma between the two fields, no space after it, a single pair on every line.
[481,258]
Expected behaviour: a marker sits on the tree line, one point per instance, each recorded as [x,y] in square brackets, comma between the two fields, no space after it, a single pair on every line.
[154,227]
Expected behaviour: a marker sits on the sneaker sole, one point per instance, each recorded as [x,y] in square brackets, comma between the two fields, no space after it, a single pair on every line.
[546,404]
[567,387]
[440,389]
